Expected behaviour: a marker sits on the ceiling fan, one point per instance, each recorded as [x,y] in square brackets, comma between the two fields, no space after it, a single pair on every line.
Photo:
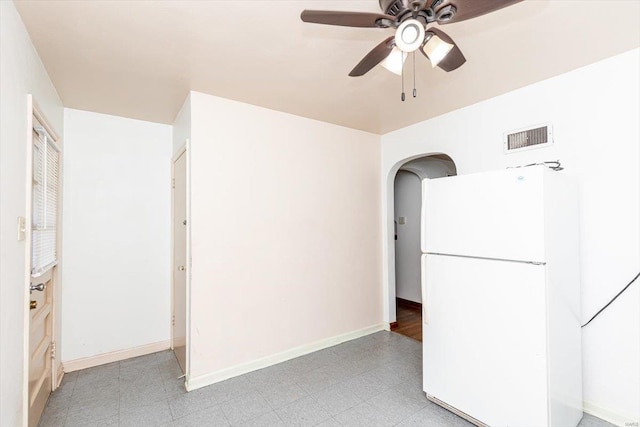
[410,19]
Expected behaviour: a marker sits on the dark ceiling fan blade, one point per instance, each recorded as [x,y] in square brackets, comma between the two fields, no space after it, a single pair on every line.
[347,19]
[454,58]
[468,9]
[373,58]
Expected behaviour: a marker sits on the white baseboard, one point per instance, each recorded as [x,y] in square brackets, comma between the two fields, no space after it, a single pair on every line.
[115,356]
[244,368]
[59,375]
[608,414]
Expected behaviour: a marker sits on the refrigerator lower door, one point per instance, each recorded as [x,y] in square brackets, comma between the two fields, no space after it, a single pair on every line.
[484,339]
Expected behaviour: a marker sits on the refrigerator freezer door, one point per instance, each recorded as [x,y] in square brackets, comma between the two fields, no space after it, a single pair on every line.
[485,343]
[494,215]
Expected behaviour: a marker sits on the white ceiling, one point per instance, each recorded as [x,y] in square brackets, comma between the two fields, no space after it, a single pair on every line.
[139,59]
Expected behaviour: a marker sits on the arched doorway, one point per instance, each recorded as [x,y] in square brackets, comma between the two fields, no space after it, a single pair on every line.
[407,224]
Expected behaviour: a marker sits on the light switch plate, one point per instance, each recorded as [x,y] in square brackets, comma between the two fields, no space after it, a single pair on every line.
[22,228]
[402,220]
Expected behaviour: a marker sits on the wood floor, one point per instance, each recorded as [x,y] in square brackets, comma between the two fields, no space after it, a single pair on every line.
[409,321]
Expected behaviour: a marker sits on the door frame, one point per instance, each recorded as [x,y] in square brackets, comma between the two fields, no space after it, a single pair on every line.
[186,150]
[57,371]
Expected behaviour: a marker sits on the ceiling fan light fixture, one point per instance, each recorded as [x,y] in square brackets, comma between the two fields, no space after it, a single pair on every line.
[409,35]
[436,49]
[395,61]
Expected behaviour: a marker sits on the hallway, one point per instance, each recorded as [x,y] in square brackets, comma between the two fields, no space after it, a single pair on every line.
[409,321]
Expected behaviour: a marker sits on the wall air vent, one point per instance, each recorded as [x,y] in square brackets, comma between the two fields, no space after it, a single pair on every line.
[528,138]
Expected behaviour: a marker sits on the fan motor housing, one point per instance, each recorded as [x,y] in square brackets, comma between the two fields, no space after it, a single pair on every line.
[392,7]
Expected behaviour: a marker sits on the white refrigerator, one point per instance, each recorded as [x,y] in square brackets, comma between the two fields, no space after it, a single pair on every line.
[501,297]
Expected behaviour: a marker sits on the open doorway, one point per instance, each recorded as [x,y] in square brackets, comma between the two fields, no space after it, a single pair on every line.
[180,237]
[407,225]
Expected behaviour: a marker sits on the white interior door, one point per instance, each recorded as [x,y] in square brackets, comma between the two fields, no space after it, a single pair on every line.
[40,340]
[44,258]
[484,338]
[180,260]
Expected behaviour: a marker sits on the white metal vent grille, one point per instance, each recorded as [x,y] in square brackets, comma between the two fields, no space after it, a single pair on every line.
[528,138]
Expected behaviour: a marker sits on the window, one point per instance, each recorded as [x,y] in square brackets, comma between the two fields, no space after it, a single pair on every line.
[44,224]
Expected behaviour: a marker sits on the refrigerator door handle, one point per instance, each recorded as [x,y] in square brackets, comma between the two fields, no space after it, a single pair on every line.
[425,315]
[423,286]
[488,258]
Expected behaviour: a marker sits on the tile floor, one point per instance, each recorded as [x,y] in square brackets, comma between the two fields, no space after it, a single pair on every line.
[370,382]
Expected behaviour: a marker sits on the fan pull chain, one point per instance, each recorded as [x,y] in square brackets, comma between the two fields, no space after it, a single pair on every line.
[415,92]
[402,75]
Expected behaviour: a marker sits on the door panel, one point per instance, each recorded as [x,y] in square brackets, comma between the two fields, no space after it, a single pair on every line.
[180,260]
[40,337]
[44,214]
[485,338]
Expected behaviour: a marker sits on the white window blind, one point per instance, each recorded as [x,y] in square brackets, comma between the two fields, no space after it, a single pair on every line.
[45,202]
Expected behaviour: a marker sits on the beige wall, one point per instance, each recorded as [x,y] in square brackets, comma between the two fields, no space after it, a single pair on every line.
[285,215]
[21,73]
